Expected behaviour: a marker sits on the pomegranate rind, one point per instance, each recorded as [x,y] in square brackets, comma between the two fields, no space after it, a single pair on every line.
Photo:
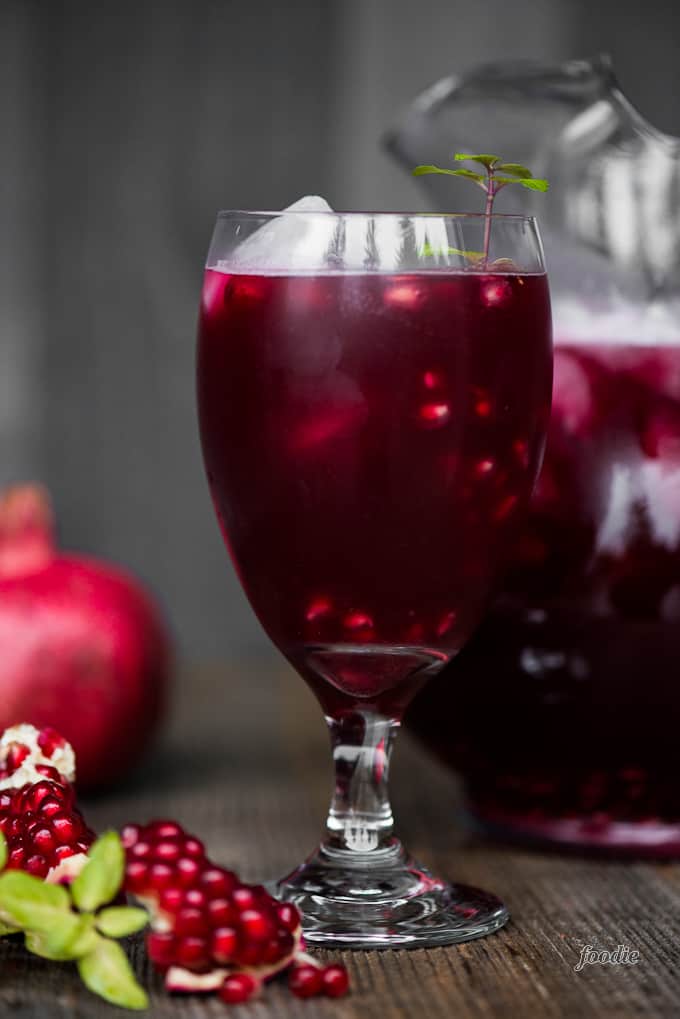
[183,981]
[67,870]
[63,758]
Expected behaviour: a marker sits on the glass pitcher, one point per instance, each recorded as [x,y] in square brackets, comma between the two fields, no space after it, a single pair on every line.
[563,713]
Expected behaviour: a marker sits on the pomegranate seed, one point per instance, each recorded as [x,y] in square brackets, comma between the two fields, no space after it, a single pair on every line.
[16,857]
[161,830]
[187,871]
[305,981]
[243,898]
[39,792]
[218,882]
[37,865]
[160,876]
[43,839]
[141,851]
[195,897]
[221,913]
[62,852]
[16,755]
[5,801]
[129,835]
[190,921]
[50,740]
[51,806]
[335,980]
[237,988]
[192,953]
[161,949]
[67,829]
[47,771]
[194,848]
[224,944]
[250,954]
[272,951]
[170,899]
[136,875]
[166,852]
[257,925]
[288,916]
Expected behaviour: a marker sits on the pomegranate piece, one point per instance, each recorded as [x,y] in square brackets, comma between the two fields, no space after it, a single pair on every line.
[46,835]
[205,923]
[335,980]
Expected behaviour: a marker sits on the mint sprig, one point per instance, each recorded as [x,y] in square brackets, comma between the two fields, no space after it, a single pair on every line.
[497,175]
[77,923]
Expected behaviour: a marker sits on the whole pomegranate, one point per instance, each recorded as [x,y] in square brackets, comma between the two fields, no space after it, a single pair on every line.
[82,647]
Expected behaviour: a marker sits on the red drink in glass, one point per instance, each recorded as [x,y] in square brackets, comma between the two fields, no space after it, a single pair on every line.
[382,432]
[576,669]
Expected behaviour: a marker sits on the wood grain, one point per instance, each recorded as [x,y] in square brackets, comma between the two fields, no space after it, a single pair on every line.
[244,763]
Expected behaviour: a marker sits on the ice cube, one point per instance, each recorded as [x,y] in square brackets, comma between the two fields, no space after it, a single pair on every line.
[284,243]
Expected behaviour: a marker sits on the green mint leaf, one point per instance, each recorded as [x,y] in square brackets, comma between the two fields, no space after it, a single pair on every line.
[514,169]
[73,937]
[3,851]
[484,158]
[535,184]
[420,170]
[106,972]
[102,875]
[4,929]
[31,904]
[119,921]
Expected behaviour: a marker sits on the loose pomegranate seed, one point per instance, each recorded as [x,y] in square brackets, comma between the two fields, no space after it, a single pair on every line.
[289,916]
[190,921]
[192,952]
[257,925]
[237,988]
[161,949]
[335,981]
[224,944]
[305,981]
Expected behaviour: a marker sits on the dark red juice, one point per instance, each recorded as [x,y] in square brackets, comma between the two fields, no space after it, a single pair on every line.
[370,440]
[576,671]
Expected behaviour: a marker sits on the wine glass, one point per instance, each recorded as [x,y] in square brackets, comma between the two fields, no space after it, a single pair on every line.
[373,399]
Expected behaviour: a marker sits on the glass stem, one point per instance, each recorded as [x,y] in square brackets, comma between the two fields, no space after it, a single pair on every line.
[360,818]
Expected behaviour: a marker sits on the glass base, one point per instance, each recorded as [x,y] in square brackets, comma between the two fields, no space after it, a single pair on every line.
[384,899]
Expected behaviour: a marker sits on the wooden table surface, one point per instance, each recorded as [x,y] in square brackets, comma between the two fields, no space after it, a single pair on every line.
[244,764]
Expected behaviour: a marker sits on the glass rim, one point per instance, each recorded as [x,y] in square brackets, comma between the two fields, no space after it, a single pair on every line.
[242,213]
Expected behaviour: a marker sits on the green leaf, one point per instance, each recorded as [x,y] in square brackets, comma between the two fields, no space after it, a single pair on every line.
[514,169]
[72,937]
[3,851]
[119,921]
[484,158]
[32,904]
[4,929]
[420,170]
[535,184]
[102,875]
[106,971]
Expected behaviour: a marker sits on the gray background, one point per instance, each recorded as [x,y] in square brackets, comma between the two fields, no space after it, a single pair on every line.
[123,128]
